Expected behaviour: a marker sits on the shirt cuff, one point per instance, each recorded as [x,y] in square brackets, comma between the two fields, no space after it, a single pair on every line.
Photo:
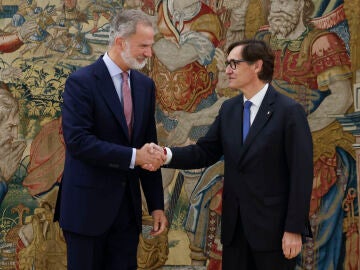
[168,156]
[133,157]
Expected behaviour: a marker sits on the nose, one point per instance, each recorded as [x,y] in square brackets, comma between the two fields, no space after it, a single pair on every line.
[228,69]
[277,6]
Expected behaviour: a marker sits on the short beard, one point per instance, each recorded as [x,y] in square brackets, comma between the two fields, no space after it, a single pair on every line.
[285,26]
[131,61]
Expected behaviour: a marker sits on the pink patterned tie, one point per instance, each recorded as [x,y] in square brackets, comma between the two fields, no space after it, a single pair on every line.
[127,100]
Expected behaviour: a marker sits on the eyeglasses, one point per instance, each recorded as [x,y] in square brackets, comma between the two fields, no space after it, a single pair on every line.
[233,63]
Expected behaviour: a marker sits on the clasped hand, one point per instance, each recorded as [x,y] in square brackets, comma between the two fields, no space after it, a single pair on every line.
[150,157]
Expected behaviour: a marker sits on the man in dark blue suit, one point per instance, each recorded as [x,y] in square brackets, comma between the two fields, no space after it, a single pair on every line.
[108,123]
[266,143]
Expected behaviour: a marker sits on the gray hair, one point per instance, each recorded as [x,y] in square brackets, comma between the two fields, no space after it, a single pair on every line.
[125,22]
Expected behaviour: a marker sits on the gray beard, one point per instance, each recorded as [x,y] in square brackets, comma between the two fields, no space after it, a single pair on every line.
[281,29]
[131,61]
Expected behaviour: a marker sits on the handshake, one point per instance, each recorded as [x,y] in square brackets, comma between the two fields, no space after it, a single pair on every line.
[150,157]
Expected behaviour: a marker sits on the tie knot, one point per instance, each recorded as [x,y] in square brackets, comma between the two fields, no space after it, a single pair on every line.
[124,75]
[247,104]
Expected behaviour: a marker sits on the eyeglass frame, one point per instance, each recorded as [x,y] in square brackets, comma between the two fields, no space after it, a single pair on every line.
[233,63]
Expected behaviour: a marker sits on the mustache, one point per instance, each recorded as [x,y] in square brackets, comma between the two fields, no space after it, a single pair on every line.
[288,16]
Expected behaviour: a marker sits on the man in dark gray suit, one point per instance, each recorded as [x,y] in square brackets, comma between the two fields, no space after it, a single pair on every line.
[266,143]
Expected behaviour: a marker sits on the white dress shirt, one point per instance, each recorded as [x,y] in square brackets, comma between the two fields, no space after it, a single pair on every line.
[115,73]
[256,102]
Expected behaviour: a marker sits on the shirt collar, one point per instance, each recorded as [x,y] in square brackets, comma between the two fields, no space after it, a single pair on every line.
[258,98]
[113,68]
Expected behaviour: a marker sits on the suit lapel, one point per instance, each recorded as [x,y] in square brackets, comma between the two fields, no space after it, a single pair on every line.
[107,89]
[262,117]
[138,102]
[234,126]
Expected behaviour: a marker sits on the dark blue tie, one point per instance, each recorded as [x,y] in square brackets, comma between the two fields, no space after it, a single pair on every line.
[246,119]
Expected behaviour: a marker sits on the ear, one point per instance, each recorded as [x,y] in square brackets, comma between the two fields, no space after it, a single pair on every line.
[258,65]
[119,41]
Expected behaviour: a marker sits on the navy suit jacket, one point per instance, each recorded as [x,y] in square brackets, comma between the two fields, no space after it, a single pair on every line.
[99,150]
[268,178]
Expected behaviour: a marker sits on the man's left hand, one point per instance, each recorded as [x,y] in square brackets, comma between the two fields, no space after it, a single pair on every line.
[160,222]
[291,244]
